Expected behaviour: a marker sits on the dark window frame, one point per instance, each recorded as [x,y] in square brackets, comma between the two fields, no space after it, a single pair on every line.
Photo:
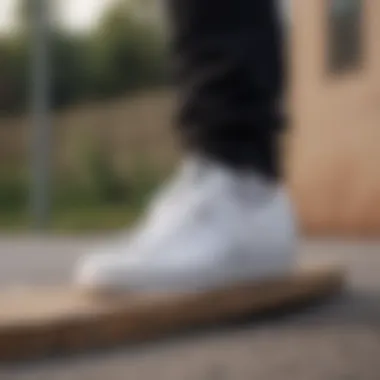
[345,39]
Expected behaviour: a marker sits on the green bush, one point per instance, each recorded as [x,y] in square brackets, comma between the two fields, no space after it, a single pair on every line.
[13,193]
[121,55]
[108,185]
[13,74]
[125,54]
[107,201]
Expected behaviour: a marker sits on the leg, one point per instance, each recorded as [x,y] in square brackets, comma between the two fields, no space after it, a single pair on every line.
[230,74]
[224,218]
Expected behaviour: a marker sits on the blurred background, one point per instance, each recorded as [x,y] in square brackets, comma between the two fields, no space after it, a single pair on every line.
[86,117]
[86,113]
[109,102]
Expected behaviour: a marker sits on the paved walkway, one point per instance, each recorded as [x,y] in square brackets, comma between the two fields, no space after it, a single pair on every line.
[339,340]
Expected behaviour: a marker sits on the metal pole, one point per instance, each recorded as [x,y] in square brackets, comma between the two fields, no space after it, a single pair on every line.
[41,134]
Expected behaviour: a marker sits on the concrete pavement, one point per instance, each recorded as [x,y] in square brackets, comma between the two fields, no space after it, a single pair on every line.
[339,339]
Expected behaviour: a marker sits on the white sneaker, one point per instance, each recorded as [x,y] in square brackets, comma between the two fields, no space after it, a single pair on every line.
[209,227]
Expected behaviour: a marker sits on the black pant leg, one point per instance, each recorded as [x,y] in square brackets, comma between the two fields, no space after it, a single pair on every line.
[229,67]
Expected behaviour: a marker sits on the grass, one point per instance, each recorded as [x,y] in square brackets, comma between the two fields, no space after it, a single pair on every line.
[89,219]
[101,200]
[90,216]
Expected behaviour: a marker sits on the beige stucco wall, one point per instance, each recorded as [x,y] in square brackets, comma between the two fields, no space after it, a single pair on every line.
[334,161]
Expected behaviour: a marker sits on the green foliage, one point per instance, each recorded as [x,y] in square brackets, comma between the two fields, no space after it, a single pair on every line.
[69,75]
[13,192]
[126,54]
[109,186]
[107,201]
[13,74]
[121,55]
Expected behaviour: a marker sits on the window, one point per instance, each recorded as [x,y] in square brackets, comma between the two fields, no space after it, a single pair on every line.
[285,10]
[345,44]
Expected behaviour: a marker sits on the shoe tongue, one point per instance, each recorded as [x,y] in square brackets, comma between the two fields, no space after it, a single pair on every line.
[198,168]
[218,177]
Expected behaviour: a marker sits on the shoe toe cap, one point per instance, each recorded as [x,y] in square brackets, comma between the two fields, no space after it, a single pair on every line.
[104,272]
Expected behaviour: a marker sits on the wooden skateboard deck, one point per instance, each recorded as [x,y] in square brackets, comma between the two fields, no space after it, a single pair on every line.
[39,322]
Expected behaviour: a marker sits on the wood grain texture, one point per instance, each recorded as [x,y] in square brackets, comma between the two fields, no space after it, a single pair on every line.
[35,323]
